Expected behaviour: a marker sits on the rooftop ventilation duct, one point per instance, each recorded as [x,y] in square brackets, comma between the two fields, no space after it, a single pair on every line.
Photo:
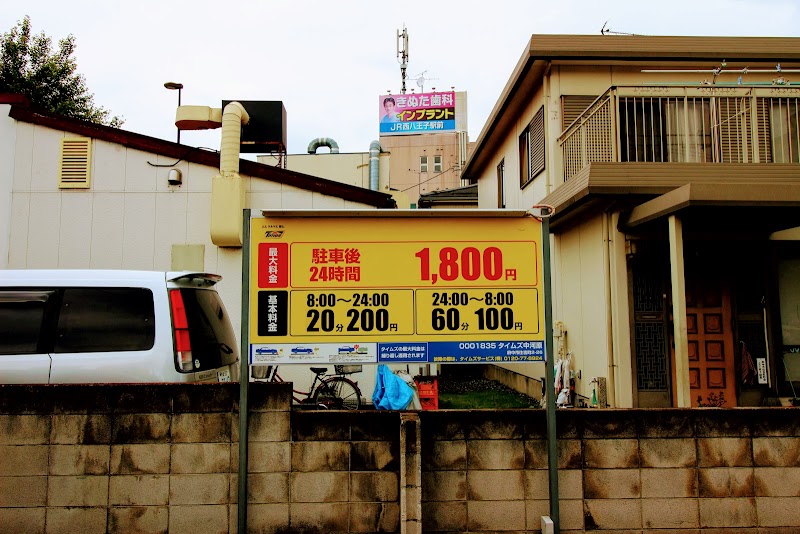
[323,141]
[374,152]
[227,188]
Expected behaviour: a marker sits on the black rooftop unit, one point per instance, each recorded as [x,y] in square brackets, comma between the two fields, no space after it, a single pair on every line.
[266,131]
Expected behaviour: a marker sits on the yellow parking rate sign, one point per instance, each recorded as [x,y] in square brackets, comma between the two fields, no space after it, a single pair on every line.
[395,286]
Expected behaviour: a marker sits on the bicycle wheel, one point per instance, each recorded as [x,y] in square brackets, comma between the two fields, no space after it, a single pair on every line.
[338,393]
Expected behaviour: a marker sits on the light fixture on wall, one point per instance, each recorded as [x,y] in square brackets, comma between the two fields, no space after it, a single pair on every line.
[175,177]
[172,86]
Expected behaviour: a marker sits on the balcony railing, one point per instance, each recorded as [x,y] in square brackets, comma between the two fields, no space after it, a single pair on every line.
[735,124]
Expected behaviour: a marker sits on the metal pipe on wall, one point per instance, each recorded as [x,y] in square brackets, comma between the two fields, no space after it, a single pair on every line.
[612,397]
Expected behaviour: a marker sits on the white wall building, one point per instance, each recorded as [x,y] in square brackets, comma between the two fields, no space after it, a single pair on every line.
[80,195]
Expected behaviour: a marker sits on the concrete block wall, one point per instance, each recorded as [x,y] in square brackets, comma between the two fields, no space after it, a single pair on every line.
[164,458]
[345,472]
[632,471]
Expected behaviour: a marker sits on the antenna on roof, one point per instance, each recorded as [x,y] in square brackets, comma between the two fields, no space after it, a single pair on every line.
[608,31]
[402,55]
[421,79]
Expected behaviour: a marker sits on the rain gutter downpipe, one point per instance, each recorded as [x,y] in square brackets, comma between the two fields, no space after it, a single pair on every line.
[227,188]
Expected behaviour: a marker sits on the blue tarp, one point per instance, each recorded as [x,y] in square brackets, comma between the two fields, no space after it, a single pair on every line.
[391,391]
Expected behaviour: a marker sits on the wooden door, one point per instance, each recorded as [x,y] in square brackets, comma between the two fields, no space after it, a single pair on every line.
[712,370]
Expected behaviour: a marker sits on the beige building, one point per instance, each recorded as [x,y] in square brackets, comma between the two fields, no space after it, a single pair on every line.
[404,166]
[673,167]
[368,170]
[425,163]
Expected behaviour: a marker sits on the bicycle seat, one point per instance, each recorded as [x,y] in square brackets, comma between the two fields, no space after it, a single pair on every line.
[319,370]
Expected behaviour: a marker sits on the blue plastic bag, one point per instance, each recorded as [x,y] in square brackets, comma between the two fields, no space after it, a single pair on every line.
[391,391]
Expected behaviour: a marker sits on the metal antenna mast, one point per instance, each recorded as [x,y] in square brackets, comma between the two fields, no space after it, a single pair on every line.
[402,54]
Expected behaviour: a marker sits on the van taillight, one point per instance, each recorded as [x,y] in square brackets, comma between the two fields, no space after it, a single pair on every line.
[180,326]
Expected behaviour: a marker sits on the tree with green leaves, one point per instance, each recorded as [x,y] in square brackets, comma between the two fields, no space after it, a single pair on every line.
[29,66]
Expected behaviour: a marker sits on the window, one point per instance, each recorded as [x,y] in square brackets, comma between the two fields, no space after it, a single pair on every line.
[22,315]
[210,332]
[437,163]
[665,129]
[524,158]
[501,191]
[573,106]
[105,320]
[532,149]
[537,143]
[423,164]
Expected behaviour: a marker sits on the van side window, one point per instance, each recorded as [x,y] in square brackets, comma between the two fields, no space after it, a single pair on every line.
[105,320]
[22,314]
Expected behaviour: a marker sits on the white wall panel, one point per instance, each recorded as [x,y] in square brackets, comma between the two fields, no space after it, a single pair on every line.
[229,265]
[593,295]
[8,136]
[139,176]
[198,218]
[170,227]
[47,153]
[264,200]
[108,214]
[43,231]
[261,185]
[582,300]
[18,242]
[74,248]
[23,156]
[211,262]
[108,166]
[295,199]
[198,178]
[138,234]
[325,202]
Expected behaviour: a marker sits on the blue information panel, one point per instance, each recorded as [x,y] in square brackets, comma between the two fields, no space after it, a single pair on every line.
[403,352]
[466,352]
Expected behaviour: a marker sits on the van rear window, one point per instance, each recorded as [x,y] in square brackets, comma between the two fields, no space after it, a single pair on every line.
[22,314]
[210,332]
[105,320]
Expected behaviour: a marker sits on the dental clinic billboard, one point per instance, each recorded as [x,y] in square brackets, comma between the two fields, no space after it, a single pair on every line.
[417,113]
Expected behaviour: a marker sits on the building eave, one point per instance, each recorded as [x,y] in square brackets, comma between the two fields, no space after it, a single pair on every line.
[635,185]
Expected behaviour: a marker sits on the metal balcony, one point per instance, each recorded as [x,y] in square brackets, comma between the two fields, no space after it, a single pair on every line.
[693,124]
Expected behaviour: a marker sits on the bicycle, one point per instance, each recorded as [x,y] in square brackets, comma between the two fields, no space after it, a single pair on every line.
[336,392]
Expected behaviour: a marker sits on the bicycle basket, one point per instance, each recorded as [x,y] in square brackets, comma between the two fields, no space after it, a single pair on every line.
[347,369]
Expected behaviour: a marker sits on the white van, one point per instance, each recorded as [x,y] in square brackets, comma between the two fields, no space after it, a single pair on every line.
[100,326]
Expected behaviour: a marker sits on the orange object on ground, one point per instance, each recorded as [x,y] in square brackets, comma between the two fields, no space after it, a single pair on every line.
[428,389]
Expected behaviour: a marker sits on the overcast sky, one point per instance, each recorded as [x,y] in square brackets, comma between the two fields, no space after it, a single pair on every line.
[329,61]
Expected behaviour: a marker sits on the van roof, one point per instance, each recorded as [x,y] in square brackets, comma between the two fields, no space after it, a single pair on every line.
[26,276]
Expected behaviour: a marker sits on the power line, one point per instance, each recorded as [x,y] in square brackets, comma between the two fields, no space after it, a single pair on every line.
[429,179]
